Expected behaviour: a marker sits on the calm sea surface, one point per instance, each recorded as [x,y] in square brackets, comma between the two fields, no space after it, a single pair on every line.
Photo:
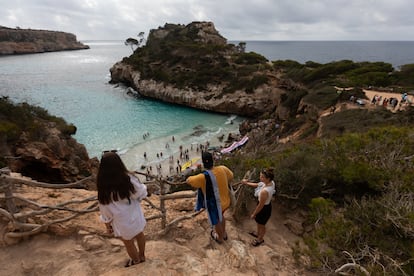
[396,53]
[74,85]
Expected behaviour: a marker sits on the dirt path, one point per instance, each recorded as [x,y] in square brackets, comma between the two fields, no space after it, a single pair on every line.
[387,95]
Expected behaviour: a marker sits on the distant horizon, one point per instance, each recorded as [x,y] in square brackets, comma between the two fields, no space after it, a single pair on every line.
[256,40]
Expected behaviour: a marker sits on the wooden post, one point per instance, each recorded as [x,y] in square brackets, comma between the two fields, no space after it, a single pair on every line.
[8,191]
[162,205]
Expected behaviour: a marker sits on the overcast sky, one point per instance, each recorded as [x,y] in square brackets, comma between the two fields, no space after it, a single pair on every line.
[235,20]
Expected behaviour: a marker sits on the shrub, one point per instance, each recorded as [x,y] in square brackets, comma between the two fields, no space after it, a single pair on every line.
[250,58]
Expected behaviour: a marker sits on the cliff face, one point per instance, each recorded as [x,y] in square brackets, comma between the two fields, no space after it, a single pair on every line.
[41,146]
[264,99]
[26,41]
[54,158]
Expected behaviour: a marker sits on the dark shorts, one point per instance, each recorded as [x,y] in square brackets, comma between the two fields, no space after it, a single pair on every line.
[263,216]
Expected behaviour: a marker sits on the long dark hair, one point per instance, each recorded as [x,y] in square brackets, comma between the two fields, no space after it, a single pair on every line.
[113,181]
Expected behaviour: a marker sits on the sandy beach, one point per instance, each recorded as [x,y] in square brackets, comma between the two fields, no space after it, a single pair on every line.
[169,162]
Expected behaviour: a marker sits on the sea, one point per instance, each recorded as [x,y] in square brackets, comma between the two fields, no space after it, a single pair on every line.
[75,85]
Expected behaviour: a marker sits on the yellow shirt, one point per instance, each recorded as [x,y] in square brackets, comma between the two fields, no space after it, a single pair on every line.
[223,176]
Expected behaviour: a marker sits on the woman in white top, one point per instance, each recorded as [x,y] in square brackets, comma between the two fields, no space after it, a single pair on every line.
[261,214]
[119,195]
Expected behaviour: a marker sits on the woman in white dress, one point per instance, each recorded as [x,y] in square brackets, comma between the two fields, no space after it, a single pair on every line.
[119,195]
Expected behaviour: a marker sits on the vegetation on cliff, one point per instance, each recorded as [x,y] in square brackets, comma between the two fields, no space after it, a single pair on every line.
[40,145]
[18,118]
[319,81]
[358,191]
[195,56]
[354,179]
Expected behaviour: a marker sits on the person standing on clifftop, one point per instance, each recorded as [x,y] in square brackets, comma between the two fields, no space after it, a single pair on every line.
[214,185]
[119,196]
[264,191]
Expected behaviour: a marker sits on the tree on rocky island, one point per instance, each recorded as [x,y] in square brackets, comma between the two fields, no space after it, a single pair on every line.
[137,42]
[131,42]
[241,46]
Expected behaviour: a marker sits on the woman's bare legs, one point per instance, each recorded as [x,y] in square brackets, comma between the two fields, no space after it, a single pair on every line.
[131,250]
[141,246]
[261,230]
[134,254]
[219,230]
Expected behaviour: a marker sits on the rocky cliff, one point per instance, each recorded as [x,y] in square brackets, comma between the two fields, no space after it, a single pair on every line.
[53,158]
[27,41]
[264,99]
[40,146]
[194,66]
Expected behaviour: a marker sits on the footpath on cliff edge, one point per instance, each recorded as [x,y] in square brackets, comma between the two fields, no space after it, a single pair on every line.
[81,246]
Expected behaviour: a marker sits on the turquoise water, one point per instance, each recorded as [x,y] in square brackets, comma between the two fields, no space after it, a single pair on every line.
[74,85]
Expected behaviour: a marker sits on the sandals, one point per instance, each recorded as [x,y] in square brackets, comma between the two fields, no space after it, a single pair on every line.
[130,262]
[215,237]
[256,242]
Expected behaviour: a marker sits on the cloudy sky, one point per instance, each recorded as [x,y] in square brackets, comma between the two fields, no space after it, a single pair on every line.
[235,20]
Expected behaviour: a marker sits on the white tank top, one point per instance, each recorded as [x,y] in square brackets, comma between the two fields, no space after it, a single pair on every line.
[270,190]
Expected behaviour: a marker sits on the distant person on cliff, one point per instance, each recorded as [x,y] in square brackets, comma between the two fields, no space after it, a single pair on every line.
[119,195]
[264,191]
[214,193]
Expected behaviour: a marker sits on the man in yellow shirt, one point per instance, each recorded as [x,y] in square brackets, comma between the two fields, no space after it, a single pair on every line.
[214,184]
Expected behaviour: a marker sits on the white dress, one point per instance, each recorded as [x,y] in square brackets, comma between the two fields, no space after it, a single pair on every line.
[126,217]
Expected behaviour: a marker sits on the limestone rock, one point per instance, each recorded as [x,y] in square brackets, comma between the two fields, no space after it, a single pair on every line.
[54,157]
[92,242]
[240,102]
[27,41]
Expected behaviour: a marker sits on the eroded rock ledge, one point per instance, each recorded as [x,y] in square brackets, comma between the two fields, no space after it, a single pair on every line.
[264,99]
[27,41]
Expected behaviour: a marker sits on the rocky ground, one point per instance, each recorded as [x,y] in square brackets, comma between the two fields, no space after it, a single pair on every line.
[81,246]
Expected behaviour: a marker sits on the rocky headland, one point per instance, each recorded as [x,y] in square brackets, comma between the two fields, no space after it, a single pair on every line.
[28,41]
[193,65]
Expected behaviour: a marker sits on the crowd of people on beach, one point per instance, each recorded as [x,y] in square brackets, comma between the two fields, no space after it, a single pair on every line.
[173,162]
[170,164]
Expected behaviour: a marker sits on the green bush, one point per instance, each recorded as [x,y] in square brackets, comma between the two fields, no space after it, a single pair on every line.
[250,58]
[405,77]
[16,118]
[287,64]
[322,97]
